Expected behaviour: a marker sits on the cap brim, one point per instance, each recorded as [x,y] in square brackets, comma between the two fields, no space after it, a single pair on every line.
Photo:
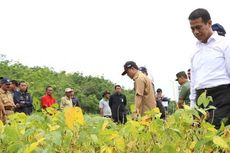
[124,73]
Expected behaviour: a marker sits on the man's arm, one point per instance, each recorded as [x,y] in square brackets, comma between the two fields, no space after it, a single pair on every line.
[227,58]
[138,100]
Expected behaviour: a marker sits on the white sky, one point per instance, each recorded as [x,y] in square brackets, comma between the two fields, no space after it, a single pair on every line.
[96,37]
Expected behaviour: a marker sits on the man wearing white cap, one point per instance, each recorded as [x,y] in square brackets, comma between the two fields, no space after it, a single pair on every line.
[67,100]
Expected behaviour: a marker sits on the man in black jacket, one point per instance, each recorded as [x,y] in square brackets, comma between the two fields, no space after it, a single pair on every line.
[23,99]
[117,103]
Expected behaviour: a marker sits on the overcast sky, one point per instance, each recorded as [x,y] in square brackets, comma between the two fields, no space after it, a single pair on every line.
[96,37]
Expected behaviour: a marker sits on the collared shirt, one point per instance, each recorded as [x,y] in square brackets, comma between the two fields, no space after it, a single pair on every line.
[47,101]
[6,99]
[66,102]
[104,105]
[210,65]
[143,87]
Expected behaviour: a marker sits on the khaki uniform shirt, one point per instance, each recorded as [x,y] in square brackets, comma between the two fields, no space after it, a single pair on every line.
[66,102]
[6,100]
[143,87]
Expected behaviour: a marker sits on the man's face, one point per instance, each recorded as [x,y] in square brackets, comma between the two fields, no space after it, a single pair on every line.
[49,91]
[118,89]
[23,87]
[201,30]
[5,87]
[131,72]
[159,94]
[180,80]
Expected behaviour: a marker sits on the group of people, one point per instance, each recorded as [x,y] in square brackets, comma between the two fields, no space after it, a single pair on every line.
[114,106]
[14,97]
[210,72]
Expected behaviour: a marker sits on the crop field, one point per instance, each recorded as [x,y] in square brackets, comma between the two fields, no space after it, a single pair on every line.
[70,131]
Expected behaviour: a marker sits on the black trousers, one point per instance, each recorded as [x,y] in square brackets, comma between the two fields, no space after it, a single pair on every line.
[221,100]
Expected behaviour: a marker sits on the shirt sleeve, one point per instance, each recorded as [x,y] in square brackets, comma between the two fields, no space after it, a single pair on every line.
[192,90]
[183,93]
[100,104]
[227,58]
[139,87]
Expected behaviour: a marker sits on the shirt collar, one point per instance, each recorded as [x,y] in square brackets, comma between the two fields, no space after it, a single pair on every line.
[213,37]
[136,75]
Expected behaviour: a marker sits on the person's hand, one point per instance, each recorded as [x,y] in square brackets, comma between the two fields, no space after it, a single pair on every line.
[136,115]
[180,105]
[18,105]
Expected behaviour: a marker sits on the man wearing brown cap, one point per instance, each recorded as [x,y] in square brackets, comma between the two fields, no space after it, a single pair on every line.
[184,90]
[144,94]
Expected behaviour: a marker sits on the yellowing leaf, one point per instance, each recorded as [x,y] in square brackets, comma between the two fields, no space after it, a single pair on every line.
[103,149]
[145,120]
[186,107]
[1,124]
[192,146]
[73,115]
[156,110]
[106,122]
[53,127]
[120,144]
[33,146]
[113,135]
[220,142]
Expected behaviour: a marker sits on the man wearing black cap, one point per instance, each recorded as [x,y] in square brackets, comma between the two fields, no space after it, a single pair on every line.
[144,94]
[6,100]
[210,67]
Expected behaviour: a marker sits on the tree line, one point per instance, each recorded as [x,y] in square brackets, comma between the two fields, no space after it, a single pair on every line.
[88,89]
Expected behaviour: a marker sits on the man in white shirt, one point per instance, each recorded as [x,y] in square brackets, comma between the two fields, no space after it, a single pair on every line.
[210,67]
[105,110]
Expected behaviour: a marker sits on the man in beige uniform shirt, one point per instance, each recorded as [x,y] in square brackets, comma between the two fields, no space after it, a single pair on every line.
[144,94]
[6,100]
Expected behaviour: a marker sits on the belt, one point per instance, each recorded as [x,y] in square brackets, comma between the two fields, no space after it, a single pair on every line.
[214,89]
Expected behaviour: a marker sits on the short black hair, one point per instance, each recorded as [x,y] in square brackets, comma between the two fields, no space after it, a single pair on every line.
[15,82]
[117,86]
[159,90]
[48,87]
[200,13]
[21,82]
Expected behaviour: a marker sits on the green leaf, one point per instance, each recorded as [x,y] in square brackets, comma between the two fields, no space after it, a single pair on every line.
[94,138]
[201,98]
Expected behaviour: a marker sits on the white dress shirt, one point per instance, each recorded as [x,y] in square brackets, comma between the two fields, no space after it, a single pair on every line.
[210,65]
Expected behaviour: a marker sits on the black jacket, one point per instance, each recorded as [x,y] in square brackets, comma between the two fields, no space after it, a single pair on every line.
[25,102]
[117,103]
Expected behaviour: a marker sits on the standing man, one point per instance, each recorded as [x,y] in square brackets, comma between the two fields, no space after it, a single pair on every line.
[23,100]
[184,90]
[6,100]
[144,94]
[66,101]
[117,103]
[210,66]
[48,99]
[105,110]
